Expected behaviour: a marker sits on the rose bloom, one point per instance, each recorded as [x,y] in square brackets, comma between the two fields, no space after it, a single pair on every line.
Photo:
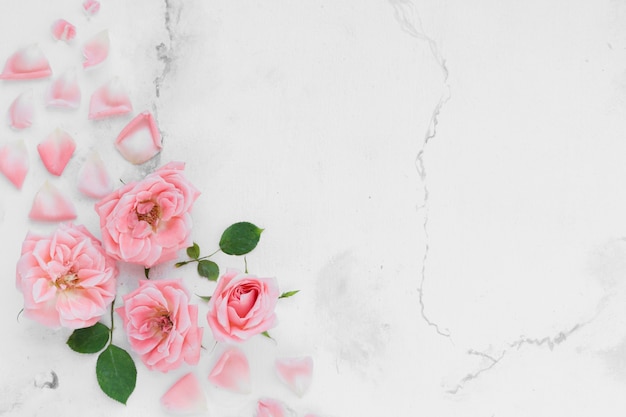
[161,325]
[242,306]
[147,222]
[67,279]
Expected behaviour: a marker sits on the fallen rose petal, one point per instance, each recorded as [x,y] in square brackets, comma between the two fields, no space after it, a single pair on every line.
[268,407]
[296,373]
[232,372]
[96,49]
[64,92]
[62,30]
[140,140]
[91,7]
[51,205]
[185,396]
[26,63]
[110,99]
[56,150]
[22,111]
[93,179]
[14,162]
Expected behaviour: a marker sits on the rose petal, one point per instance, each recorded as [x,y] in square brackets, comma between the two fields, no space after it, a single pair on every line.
[22,111]
[26,63]
[62,30]
[296,373]
[64,92]
[91,7]
[14,162]
[232,372]
[109,100]
[56,150]
[185,396]
[50,204]
[140,140]
[268,407]
[96,49]
[93,179]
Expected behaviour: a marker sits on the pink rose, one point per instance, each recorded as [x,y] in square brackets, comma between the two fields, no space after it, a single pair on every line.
[242,306]
[147,222]
[161,325]
[67,279]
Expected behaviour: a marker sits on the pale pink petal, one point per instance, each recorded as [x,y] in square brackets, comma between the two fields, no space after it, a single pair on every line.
[140,140]
[296,373]
[93,180]
[96,49]
[109,100]
[91,7]
[62,30]
[232,371]
[64,92]
[51,205]
[268,407]
[26,63]
[14,162]
[185,396]
[56,150]
[22,111]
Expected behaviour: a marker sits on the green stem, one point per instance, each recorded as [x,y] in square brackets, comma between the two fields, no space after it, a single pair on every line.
[245,261]
[112,325]
[181,263]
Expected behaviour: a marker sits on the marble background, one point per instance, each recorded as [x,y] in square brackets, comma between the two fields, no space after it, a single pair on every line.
[442,180]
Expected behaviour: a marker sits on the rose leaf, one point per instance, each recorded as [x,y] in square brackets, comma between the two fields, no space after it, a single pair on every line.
[90,339]
[289,294]
[193,251]
[116,373]
[240,238]
[208,269]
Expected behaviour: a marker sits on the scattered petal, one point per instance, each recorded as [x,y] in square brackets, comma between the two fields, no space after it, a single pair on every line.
[62,30]
[22,111]
[185,396]
[51,205]
[96,49]
[93,180]
[111,99]
[91,7]
[26,63]
[14,162]
[296,373]
[140,140]
[64,91]
[56,150]
[268,407]
[232,371]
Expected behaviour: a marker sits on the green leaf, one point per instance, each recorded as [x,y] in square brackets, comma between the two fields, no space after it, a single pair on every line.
[116,373]
[289,294]
[90,339]
[240,238]
[146,272]
[206,298]
[208,269]
[266,334]
[193,251]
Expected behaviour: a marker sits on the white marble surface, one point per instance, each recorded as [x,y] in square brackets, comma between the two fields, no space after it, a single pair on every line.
[442,180]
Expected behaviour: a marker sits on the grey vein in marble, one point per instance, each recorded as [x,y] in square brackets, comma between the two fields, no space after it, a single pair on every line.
[406,15]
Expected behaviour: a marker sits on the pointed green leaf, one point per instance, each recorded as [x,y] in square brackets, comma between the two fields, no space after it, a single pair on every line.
[116,373]
[240,238]
[193,251]
[208,269]
[289,294]
[266,334]
[206,298]
[90,339]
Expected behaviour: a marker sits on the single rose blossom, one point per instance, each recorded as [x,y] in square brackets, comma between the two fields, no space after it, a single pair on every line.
[161,325]
[147,222]
[66,278]
[242,306]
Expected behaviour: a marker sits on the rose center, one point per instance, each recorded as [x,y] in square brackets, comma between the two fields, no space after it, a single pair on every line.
[152,216]
[67,281]
[163,323]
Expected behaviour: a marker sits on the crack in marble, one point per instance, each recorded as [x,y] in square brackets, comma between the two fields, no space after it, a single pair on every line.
[405,14]
[472,376]
[165,52]
[551,342]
